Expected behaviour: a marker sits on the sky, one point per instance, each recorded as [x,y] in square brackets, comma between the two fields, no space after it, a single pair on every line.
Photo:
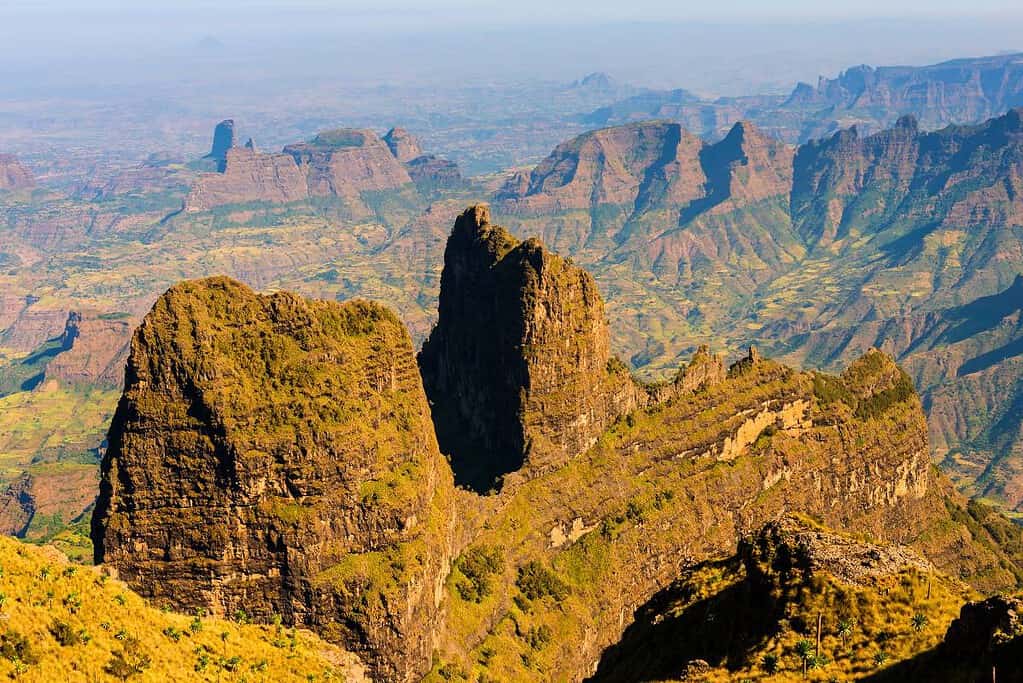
[712,46]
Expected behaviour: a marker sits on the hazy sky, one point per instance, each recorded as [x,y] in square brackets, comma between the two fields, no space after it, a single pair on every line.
[719,46]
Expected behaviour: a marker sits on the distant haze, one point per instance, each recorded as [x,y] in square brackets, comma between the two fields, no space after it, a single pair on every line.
[713,47]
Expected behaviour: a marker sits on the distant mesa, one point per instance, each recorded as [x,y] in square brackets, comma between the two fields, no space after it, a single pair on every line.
[597,80]
[14,176]
[343,163]
[960,91]
[429,170]
[346,163]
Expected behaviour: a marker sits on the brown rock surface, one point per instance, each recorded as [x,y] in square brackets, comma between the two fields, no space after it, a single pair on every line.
[249,176]
[17,506]
[519,368]
[431,171]
[347,162]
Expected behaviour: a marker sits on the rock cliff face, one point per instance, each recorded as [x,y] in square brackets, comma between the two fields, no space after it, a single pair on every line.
[14,175]
[275,455]
[403,145]
[958,91]
[17,506]
[519,368]
[93,351]
[962,91]
[249,176]
[700,217]
[347,162]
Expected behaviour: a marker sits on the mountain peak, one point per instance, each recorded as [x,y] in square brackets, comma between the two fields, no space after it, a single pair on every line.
[518,368]
[286,490]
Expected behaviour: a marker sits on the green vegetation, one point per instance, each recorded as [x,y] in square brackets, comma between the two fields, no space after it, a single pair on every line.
[537,582]
[478,566]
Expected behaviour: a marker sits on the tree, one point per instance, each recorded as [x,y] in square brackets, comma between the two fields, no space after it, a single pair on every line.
[129,661]
[804,649]
[920,620]
[845,629]
[770,663]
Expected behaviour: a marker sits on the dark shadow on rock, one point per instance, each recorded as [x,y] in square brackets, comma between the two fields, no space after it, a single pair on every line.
[721,630]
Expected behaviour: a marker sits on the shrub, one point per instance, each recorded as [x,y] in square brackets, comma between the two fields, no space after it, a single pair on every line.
[129,661]
[478,565]
[63,633]
[770,663]
[536,581]
[15,647]
[920,620]
[538,637]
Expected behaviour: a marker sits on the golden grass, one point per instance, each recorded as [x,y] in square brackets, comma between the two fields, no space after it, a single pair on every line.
[39,589]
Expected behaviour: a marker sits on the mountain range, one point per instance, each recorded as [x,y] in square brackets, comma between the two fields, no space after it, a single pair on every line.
[870,98]
[274,455]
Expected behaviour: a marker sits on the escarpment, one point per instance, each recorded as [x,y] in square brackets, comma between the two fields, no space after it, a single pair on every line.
[274,455]
[519,368]
[277,456]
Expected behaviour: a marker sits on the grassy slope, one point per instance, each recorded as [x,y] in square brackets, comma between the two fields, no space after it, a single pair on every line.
[711,615]
[39,589]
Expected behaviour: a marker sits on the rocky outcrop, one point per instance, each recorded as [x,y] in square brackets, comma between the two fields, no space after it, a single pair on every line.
[249,176]
[519,368]
[403,145]
[13,174]
[94,348]
[789,549]
[275,455]
[223,141]
[17,506]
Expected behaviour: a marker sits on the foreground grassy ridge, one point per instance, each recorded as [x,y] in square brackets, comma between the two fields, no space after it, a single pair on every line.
[62,622]
[864,628]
